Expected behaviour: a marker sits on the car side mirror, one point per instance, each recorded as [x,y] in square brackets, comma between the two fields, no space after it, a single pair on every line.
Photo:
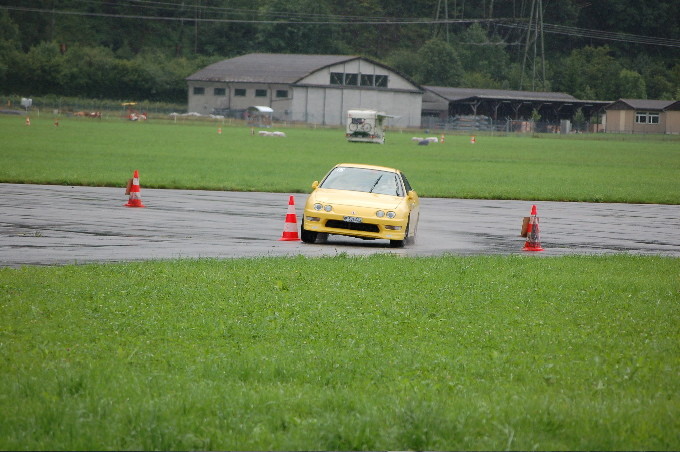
[315,184]
[411,194]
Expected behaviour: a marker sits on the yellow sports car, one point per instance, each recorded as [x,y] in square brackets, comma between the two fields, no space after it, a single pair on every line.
[365,201]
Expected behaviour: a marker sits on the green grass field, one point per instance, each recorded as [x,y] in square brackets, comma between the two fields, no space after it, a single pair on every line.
[343,353]
[193,155]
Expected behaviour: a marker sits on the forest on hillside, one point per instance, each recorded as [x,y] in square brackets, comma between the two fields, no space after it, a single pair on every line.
[143,49]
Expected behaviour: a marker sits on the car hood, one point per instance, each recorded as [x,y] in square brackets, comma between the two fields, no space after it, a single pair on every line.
[356,198]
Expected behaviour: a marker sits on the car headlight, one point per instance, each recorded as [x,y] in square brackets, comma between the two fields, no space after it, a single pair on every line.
[318,206]
[380,214]
[327,207]
[391,215]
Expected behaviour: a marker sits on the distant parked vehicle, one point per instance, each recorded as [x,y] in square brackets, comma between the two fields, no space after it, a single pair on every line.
[366,126]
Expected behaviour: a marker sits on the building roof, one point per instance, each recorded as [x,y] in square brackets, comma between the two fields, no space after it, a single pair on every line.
[641,104]
[458,94]
[267,68]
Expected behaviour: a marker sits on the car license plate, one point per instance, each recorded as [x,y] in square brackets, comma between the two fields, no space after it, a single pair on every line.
[353,219]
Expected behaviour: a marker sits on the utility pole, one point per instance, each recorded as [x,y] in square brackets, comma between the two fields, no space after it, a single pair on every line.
[446,18]
[534,38]
[198,4]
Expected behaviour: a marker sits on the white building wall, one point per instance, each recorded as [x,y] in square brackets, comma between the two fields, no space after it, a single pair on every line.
[334,106]
[328,106]
[205,103]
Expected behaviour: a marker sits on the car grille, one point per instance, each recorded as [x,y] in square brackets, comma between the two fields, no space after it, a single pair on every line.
[366,227]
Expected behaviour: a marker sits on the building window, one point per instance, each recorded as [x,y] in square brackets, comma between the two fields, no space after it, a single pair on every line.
[220,92]
[260,93]
[199,90]
[340,78]
[281,93]
[646,117]
[240,92]
[367,79]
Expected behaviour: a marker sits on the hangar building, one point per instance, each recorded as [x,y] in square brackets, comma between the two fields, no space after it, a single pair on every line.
[316,89]
[444,102]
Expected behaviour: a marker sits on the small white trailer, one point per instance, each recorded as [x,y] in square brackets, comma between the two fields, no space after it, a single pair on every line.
[366,126]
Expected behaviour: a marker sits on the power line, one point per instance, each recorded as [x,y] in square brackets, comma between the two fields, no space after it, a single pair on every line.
[597,34]
[283,18]
[304,18]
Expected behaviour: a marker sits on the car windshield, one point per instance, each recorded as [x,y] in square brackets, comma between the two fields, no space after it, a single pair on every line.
[363,179]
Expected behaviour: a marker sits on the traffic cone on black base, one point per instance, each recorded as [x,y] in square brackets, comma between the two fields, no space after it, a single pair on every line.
[533,242]
[134,190]
[290,229]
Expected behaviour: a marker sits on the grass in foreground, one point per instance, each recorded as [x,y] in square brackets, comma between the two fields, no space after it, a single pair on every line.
[343,353]
[194,156]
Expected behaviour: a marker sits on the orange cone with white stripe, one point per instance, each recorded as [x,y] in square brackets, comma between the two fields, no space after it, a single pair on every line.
[473,139]
[290,229]
[533,242]
[135,192]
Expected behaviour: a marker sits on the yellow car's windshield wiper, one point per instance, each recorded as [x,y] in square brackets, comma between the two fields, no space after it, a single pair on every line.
[376,183]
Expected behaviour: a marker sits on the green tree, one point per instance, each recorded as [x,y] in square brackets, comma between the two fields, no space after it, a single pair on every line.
[299,37]
[480,54]
[589,73]
[406,62]
[10,50]
[439,64]
[579,119]
[631,85]
[39,73]
[479,80]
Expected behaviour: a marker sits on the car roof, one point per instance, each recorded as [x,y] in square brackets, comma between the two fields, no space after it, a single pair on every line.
[374,167]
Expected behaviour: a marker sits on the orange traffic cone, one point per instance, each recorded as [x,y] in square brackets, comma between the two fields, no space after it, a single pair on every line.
[219,131]
[533,242]
[28,121]
[290,229]
[441,140]
[134,191]
[473,140]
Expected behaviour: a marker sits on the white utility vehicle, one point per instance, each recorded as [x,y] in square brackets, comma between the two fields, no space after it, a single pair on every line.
[366,126]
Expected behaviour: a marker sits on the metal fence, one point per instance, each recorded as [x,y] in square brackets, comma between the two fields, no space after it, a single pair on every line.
[466,124]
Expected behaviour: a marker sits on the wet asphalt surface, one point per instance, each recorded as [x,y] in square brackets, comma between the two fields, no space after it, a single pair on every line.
[54,225]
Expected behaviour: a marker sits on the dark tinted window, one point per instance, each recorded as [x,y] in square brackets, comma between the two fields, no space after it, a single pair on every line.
[367,80]
[407,186]
[351,79]
[381,81]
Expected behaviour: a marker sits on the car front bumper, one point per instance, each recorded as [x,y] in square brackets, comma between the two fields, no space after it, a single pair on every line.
[368,228]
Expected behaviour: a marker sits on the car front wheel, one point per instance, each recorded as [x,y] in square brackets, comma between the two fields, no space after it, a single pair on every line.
[399,243]
[307,236]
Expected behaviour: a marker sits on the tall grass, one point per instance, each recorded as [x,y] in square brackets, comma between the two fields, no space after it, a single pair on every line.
[344,353]
[193,155]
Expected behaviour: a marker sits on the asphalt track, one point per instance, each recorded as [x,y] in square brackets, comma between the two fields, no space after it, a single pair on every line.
[54,225]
